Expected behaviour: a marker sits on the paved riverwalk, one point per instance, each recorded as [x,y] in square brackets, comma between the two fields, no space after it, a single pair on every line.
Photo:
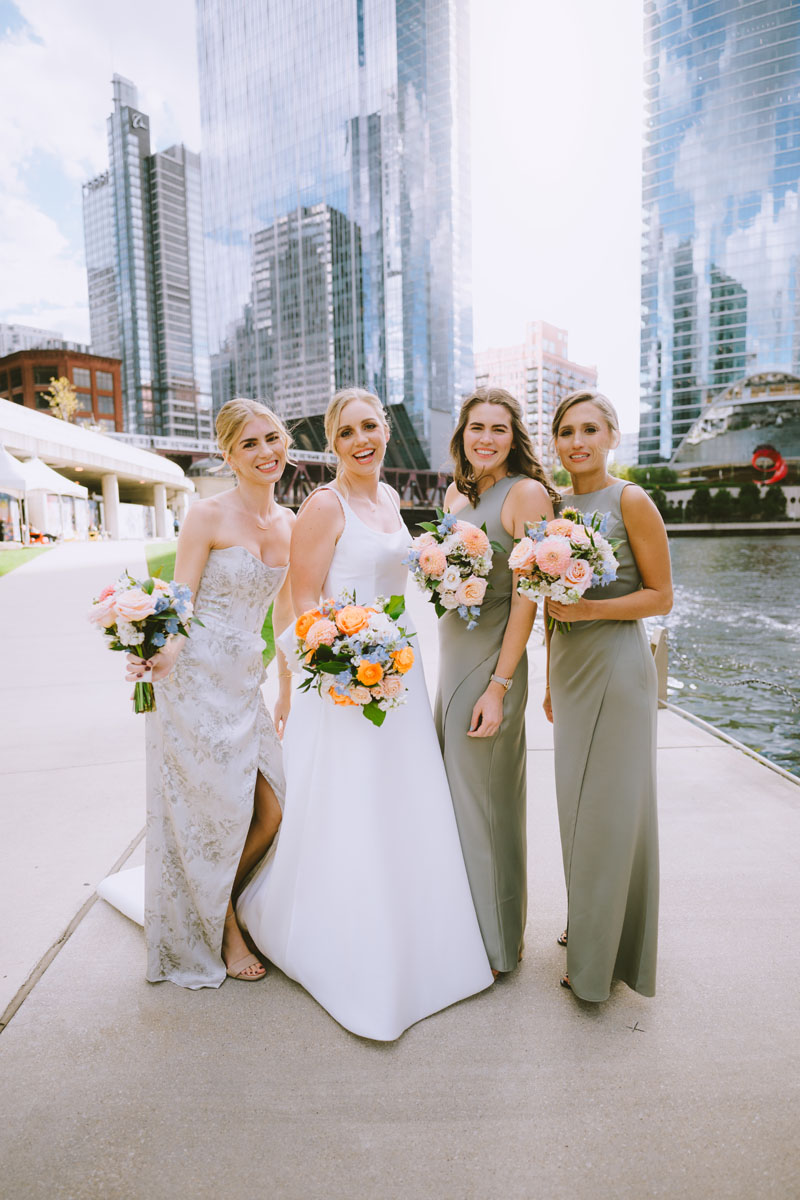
[113,1089]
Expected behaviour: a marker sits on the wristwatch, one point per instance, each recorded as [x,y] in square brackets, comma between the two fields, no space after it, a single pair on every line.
[505,684]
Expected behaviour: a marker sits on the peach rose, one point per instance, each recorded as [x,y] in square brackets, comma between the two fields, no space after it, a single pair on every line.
[471,590]
[523,556]
[433,562]
[424,539]
[161,585]
[359,695]
[304,622]
[351,618]
[369,673]
[473,540]
[553,555]
[339,699]
[403,659]
[579,536]
[135,604]
[389,687]
[561,526]
[321,633]
[578,575]
[104,611]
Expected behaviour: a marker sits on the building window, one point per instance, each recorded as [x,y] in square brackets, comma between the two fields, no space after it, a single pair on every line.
[16,377]
[81,377]
[18,398]
[42,399]
[3,381]
[105,381]
[105,404]
[84,401]
[44,374]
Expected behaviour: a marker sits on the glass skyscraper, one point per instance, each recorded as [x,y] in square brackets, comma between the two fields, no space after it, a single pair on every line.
[144,258]
[337,208]
[720,287]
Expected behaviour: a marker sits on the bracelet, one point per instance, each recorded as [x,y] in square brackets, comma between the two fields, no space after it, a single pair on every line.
[284,674]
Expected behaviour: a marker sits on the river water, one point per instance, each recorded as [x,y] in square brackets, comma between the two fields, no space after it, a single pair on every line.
[736,617]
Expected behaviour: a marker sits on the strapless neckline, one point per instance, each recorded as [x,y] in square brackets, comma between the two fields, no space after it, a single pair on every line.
[269,566]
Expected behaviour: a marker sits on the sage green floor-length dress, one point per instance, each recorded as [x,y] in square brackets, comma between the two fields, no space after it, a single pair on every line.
[487,775]
[604,693]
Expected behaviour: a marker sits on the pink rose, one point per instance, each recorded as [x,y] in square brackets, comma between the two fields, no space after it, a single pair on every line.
[553,555]
[579,536]
[578,575]
[104,611]
[433,561]
[473,540]
[135,605]
[523,556]
[321,633]
[561,526]
[471,590]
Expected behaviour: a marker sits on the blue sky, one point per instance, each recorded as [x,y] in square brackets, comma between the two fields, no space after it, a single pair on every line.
[557,124]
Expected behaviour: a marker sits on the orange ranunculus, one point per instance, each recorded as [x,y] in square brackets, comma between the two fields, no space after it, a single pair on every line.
[403,659]
[351,618]
[304,622]
[369,673]
[339,699]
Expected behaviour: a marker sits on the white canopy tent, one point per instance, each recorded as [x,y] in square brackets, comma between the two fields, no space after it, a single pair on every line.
[41,478]
[12,478]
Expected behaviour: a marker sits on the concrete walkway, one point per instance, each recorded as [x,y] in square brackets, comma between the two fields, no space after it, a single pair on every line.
[113,1088]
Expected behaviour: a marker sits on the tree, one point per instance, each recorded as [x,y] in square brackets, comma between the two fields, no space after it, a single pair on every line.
[749,501]
[63,398]
[773,506]
[721,506]
[698,507]
[561,477]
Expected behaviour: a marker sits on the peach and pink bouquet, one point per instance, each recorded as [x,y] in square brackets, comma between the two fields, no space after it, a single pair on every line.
[356,655]
[563,558]
[451,561]
[138,615]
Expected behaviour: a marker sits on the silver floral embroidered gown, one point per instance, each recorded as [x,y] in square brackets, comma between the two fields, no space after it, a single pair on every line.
[207,739]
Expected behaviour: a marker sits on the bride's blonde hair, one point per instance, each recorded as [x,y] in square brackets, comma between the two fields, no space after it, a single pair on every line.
[236,413]
[333,418]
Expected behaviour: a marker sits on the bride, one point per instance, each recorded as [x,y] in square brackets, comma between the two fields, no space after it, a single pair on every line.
[365,900]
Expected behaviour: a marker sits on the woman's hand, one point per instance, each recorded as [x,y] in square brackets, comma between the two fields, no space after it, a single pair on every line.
[547,705]
[487,715]
[283,704]
[161,663]
[583,610]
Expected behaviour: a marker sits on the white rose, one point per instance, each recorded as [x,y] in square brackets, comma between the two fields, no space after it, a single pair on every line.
[451,579]
[448,600]
[451,543]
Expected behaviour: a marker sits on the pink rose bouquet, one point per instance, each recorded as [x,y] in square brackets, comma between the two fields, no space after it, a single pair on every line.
[563,558]
[138,616]
[451,562]
[355,656]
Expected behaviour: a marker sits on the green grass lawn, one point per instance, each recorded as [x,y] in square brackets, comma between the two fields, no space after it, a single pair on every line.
[9,559]
[159,555]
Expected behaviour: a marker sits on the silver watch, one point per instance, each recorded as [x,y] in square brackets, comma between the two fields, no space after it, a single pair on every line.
[504,683]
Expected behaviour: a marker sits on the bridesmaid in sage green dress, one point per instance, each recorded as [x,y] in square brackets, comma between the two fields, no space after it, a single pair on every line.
[604,704]
[483,672]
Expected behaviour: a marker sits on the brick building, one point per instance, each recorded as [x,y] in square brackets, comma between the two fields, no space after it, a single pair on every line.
[25,378]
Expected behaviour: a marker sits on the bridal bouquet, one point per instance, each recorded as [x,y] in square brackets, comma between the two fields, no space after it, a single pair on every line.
[138,616]
[563,558]
[354,655]
[451,561]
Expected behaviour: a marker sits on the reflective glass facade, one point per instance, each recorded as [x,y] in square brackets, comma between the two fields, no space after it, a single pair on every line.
[336,203]
[720,296]
[144,258]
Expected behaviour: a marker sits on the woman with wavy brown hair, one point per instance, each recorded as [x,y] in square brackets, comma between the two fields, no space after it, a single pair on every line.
[483,672]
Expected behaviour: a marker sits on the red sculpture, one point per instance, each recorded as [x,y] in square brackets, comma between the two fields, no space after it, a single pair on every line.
[774,462]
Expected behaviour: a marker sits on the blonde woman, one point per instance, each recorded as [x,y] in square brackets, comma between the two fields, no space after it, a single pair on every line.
[365,901]
[214,773]
[604,702]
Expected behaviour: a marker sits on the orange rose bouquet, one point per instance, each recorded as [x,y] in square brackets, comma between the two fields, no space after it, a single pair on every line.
[354,655]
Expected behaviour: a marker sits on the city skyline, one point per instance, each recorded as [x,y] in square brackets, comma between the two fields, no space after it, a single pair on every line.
[556,163]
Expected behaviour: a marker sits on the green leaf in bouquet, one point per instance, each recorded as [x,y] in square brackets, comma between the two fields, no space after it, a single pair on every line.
[498,549]
[427,525]
[374,714]
[440,608]
[332,666]
[395,607]
[148,586]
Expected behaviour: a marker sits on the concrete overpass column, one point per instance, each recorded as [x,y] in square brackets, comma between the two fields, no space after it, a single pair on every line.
[180,506]
[160,505]
[111,505]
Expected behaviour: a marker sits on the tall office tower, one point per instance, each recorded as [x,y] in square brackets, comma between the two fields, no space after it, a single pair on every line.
[26,337]
[337,209]
[720,286]
[144,258]
[539,373]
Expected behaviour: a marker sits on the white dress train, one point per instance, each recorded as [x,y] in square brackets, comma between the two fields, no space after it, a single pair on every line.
[364,899]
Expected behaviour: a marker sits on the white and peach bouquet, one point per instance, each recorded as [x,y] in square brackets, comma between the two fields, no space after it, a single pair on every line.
[356,655]
[138,615]
[561,559]
[451,561]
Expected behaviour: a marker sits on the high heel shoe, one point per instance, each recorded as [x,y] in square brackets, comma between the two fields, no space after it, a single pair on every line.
[248,967]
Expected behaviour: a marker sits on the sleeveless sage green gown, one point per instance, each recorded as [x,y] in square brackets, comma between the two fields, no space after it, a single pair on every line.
[487,775]
[603,689]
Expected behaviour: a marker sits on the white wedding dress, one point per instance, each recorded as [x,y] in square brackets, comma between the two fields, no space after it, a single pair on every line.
[364,898]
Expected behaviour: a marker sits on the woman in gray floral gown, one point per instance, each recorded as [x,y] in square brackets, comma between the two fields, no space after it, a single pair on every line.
[214,775]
